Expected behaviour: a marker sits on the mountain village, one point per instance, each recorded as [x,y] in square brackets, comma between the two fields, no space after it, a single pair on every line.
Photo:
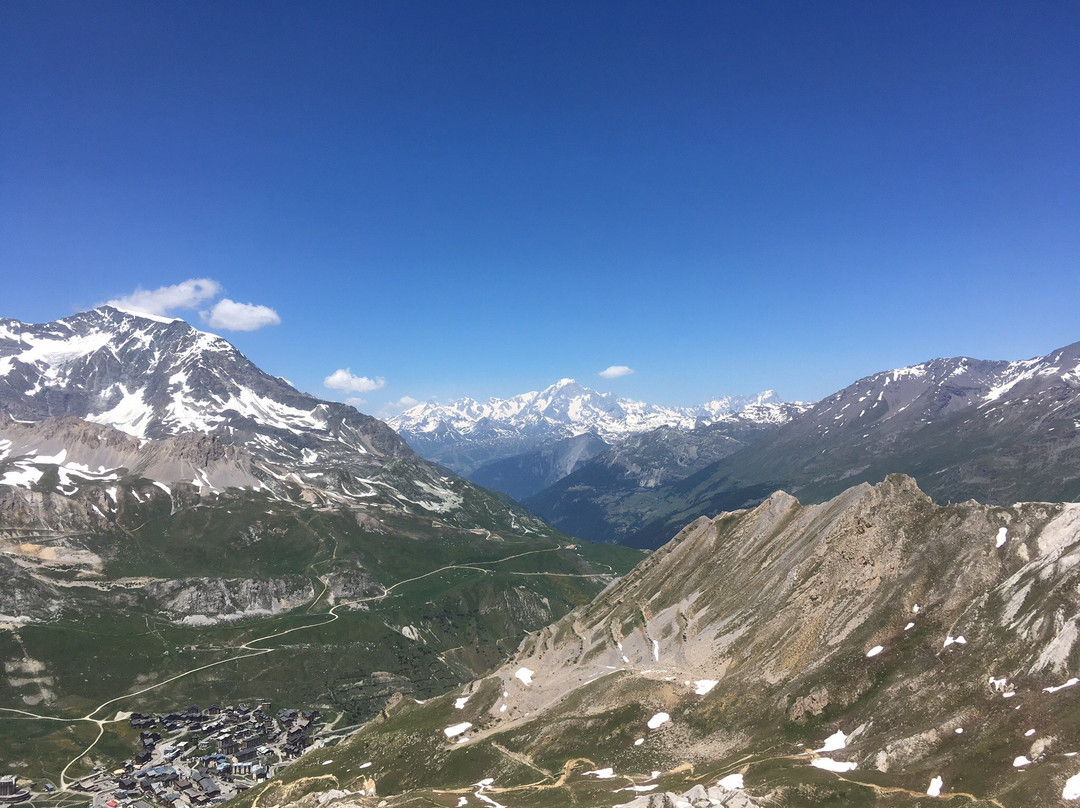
[192,758]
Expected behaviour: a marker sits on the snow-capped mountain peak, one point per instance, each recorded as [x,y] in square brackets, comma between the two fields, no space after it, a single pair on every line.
[155,378]
[197,412]
[478,432]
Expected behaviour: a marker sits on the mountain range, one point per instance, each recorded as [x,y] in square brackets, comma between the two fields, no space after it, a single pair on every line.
[820,630]
[996,431]
[196,411]
[465,435]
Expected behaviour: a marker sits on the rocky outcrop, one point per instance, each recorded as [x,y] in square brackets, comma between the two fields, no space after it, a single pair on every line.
[877,610]
[203,601]
[697,797]
[23,598]
[351,583]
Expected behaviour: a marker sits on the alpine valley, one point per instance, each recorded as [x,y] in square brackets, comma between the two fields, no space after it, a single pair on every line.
[874,600]
[170,515]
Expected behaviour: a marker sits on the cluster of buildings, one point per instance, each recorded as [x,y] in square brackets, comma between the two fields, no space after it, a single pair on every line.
[202,757]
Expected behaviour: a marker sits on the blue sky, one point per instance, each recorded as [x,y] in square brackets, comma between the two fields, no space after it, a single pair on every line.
[481,198]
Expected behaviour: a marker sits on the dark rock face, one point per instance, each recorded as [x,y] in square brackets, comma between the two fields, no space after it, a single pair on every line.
[525,474]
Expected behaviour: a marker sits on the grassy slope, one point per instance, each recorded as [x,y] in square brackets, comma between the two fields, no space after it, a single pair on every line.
[469,618]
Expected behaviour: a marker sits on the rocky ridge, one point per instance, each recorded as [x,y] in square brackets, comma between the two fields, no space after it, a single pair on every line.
[874,644]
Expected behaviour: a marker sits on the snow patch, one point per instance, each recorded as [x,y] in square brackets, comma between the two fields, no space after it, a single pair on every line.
[703,686]
[457,729]
[24,477]
[838,740]
[1072,788]
[525,675]
[131,414]
[1056,688]
[658,720]
[731,782]
[832,765]
[873,652]
[934,789]
[1003,534]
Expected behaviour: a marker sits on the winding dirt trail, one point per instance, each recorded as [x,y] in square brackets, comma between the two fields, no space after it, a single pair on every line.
[248,646]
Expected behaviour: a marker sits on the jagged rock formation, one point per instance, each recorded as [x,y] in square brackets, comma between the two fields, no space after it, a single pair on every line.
[697,797]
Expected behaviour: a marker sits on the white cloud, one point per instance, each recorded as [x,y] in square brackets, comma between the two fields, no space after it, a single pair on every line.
[396,407]
[233,316]
[615,371]
[225,314]
[343,379]
[185,295]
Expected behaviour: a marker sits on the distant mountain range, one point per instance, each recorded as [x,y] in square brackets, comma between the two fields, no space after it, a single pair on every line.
[611,495]
[996,431]
[466,435]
